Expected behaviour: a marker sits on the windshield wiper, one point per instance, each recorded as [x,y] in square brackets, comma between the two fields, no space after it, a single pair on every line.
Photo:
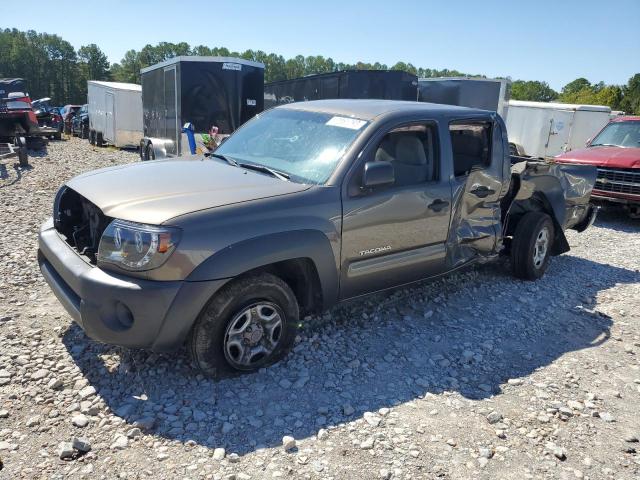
[603,145]
[229,160]
[265,169]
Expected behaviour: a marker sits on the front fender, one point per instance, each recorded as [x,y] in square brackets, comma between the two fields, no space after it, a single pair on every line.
[261,251]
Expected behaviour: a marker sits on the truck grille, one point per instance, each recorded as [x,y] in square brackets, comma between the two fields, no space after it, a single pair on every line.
[79,222]
[618,180]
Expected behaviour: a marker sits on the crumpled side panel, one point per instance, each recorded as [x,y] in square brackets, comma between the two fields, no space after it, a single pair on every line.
[475,223]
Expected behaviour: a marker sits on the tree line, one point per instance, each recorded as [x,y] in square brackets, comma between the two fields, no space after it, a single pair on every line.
[53,68]
[619,97]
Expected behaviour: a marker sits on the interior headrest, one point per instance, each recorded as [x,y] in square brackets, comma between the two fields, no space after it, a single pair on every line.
[410,150]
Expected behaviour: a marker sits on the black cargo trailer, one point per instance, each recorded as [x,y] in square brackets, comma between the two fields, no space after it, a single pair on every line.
[485,93]
[206,92]
[382,84]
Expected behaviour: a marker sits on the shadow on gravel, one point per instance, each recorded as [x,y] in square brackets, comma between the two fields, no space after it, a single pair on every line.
[4,174]
[468,333]
[615,218]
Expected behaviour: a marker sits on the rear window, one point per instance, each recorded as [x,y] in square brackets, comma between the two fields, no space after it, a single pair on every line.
[470,142]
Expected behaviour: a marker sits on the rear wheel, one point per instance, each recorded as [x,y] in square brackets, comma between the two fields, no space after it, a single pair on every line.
[99,139]
[249,324]
[92,137]
[531,247]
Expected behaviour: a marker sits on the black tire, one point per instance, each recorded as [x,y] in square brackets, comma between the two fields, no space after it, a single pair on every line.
[84,132]
[57,136]
[150,152]
[99,139]
[528,257]
[23,157]
[210,343]
[92,137]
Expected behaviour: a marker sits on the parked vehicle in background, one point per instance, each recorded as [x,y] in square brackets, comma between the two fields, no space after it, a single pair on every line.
[544,130]
[67,113]
[80,122]
[205,92]
[306,205]
[616,152]
[48,116]
[484,93]
[115,113]
[19,126]
[363,84]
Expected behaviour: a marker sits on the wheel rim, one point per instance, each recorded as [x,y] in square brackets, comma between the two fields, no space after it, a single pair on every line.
[253,335]
[540,248]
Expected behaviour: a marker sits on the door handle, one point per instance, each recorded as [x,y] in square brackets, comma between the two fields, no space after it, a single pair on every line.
[482,191]
[437,205]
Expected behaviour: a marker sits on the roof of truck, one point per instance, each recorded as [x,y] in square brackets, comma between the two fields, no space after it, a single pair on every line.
[118,85]
[560,106]
[369,109]
[195,58]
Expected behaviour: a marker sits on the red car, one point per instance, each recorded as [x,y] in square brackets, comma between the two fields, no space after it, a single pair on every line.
[616,153]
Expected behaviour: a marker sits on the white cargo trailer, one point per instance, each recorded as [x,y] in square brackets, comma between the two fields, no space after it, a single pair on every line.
[115,113]
[543,130]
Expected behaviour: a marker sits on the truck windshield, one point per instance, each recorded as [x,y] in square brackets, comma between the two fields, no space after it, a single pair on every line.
[619,134]
[306,146]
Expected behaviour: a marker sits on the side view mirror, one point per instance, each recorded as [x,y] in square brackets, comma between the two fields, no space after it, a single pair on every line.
[377,174]
[588,142]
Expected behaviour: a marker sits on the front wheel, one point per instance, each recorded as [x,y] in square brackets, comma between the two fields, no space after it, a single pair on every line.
[531,247]
[251,323]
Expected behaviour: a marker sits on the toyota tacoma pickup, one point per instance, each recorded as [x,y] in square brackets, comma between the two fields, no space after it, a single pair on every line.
[615,151]
[305,206]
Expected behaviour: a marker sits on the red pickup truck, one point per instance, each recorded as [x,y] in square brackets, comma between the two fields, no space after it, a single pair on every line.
[616,153]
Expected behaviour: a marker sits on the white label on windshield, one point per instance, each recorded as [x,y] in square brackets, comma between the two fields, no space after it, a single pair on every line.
[345,122]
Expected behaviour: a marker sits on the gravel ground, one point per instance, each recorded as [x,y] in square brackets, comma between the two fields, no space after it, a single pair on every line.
[474,376]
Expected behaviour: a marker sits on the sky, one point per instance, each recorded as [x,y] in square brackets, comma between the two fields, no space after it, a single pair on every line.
[553,41]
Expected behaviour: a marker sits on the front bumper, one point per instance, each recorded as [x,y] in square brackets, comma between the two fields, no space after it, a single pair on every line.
[117,309]
[615,197]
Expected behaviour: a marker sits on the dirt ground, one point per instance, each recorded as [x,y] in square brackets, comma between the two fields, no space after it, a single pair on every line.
[474,376]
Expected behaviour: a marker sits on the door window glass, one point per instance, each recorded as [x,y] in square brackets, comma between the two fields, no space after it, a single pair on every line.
[470,142]
[411,152]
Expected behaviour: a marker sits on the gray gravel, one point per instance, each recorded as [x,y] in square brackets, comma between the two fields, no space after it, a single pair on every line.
[474,376]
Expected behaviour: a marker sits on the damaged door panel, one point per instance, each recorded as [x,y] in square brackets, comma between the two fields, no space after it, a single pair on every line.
[478,148]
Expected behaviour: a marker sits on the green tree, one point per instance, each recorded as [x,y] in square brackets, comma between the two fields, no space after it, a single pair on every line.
[576,86]
[630,102]
[533,91]
[97,64]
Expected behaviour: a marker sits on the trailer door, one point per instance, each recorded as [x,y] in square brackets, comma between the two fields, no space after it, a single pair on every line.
[110,118]
[559,130]
[171,109]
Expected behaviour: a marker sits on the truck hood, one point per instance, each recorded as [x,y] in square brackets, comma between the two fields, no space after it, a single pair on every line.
[615,157]
[156,191]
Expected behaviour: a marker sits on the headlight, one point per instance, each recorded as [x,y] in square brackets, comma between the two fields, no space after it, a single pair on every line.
[136,246]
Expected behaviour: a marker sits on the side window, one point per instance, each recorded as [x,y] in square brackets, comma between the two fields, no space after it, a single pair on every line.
[412,152]
[471,143]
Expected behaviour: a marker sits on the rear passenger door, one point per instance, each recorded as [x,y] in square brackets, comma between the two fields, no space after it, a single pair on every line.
[397,233]
[479,171]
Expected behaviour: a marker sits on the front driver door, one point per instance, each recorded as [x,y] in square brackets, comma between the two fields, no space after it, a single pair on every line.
[396,234]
